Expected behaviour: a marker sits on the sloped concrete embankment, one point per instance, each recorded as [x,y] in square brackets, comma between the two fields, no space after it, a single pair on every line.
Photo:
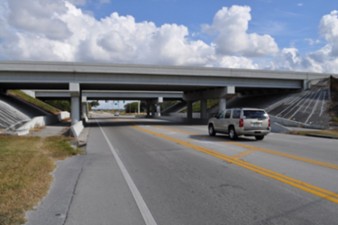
[18,117]
[10,116]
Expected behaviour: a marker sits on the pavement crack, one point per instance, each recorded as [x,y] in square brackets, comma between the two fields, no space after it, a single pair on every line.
[73,194]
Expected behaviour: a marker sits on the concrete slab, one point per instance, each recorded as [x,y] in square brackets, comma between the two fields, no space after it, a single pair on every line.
[49,131]
[54,207]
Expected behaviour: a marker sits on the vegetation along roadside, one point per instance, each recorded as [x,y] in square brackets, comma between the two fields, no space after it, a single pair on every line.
[26,165]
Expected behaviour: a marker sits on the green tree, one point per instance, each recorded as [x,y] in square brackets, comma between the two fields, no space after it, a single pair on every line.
[63,105]
[131,107]
[93,104]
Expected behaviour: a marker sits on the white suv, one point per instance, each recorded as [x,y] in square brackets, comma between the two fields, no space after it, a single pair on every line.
[240,121]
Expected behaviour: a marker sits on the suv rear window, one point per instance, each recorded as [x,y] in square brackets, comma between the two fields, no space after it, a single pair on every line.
[255,114]
[236,114]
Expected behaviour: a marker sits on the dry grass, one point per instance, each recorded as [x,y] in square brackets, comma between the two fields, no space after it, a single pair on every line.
[26,164]
[329,133]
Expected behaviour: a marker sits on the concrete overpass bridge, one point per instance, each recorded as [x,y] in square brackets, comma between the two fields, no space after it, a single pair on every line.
[111,95]
[151,98]
[196,83]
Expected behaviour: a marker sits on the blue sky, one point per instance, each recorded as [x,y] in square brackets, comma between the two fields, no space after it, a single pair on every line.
[290,22]
[256,34]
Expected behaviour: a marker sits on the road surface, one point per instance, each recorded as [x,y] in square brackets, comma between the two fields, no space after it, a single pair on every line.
[155,172]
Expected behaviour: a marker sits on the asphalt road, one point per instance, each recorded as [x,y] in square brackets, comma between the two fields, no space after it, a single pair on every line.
[155,172]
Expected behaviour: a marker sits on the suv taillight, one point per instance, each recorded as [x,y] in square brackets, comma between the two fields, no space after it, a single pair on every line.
[241,122]
[269,122]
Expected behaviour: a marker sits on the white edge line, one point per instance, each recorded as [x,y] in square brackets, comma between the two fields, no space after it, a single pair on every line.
[145,212]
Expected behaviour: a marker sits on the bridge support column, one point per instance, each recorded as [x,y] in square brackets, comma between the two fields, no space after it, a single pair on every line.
[203,95]
[189,110]
[148,108]
[204,108]
[84,108]
[74,89]
[158,110]
[158,106]
[221,104]
[306,85]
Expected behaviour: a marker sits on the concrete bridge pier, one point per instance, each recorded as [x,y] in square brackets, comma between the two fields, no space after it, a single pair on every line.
[204,95]
[158,110]
[74,89]
[222,104]
[84,105]
[152,107]
[158,106]
[204,108]
[148,108]
[189,110]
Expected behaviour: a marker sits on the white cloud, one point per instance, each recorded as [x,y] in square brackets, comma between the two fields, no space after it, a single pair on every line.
[40,17]
[236,62]
[58,30]
[84,2]
[78,2]
[230,25]
[329,30]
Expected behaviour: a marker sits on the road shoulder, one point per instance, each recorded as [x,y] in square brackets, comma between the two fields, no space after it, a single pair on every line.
[54,207]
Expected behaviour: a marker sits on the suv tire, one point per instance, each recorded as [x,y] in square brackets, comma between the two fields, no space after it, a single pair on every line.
[259,138]
[232,133]
[211,130]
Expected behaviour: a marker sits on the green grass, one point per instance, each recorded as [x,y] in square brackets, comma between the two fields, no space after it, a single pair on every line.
[40,104]
[335,119]
[196,106]
[26,164]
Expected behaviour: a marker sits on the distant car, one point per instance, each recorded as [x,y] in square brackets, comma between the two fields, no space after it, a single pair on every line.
[240,121]
[116,114]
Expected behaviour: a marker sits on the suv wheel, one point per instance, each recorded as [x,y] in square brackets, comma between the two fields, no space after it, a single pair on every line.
[232,133]
[211,130]
[259,138]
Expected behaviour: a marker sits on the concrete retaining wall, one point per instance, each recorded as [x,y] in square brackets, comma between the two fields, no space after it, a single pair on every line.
[76,129]
[184,115]
[63,115]
[39,121]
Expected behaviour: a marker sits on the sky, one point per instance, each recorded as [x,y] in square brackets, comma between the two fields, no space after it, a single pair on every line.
[253,34]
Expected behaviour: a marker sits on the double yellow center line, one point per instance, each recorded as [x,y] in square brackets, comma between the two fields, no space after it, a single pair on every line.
[320,192]
[268,151]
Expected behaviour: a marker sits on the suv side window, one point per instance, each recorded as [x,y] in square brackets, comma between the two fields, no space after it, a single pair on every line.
[236,114]
[220,115]
[227,114]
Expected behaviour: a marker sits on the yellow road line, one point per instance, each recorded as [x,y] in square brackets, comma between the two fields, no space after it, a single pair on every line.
[243,154]
[174,129]
[309,188]
[286,155]
[272,152]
